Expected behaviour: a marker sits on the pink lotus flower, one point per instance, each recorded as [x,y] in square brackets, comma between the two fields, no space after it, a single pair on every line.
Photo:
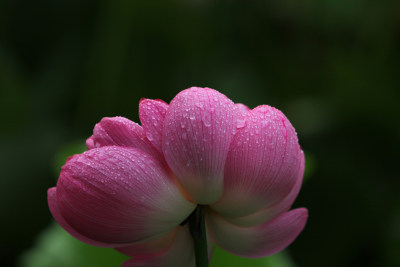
[136,185]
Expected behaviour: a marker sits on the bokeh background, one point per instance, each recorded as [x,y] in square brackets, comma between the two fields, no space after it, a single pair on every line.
[332,66]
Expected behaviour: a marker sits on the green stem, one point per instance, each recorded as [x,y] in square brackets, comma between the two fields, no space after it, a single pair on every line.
[198,230]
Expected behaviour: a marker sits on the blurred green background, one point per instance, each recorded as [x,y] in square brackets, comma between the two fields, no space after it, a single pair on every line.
[332,66]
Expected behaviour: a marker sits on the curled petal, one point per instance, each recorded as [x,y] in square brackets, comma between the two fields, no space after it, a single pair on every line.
[257,241]
[243,109]
[262,166]
[119,131]
[179,254]
[152,114]
[53,206]
[119,195]
[150,247]
[198,129]
[270,212]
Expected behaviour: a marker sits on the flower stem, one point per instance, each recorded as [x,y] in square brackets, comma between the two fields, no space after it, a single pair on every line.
[198,230]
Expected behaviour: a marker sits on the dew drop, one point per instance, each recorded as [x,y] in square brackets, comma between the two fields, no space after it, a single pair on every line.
[150,136]
[206,120]
[183,124]
[240,123]
[199,105]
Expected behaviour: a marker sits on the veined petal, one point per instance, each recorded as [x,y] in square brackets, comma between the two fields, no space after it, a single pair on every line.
[198,130]
[270,212]
[119,131]
[119,195]
[55,211]
[243,109]
[257,241]
[179,254]
[262,165]
[151,247]
[152,114]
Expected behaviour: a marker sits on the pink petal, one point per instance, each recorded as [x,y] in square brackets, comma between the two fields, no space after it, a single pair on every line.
[198,129]
[243,109]
[119,131]
[53,205]
[119,195]
[261,240]
[270,212]
[152,114]
[151,247]
[262,164]
[180,254]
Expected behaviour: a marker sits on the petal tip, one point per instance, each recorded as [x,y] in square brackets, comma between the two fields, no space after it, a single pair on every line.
[51,193]
[90,143]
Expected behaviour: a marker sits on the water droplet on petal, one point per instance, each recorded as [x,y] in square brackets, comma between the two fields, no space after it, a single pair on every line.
[150,136]
[199,105]
[240,123]
[206,119]
[183,124]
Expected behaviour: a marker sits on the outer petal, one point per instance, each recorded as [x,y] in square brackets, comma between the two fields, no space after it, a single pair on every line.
[262,165]
[243,109]
[180,254]
[119,195]
[151,247]
[152,114]
[55,211]
[119,131]
[261,240]
[198,129]
[270,212]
